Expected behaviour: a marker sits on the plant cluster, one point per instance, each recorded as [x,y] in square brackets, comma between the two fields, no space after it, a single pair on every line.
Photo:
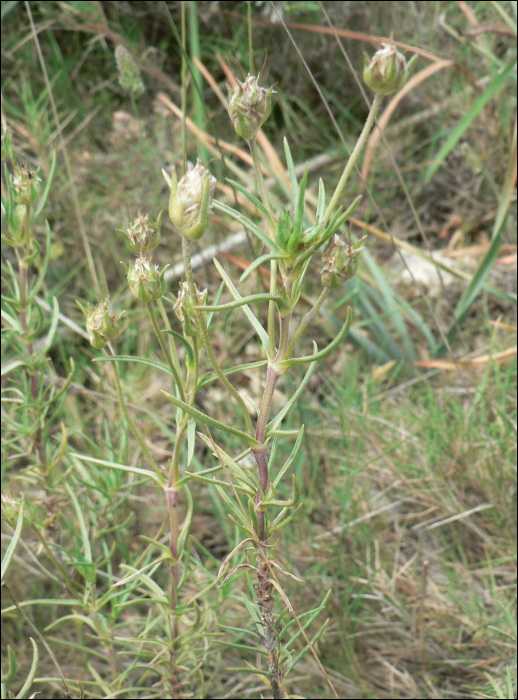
[253,499]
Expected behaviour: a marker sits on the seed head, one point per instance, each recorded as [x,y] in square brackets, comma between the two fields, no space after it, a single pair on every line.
[185,311]
[249,106]
[190,202]
[340,261]
[387,71]
[129,72]
[143,234]
[101,325]
[145,281]
[26,185]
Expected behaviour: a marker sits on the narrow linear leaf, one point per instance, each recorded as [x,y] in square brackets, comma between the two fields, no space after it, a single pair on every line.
[253,199]
[259,261]
[30,678]
[13,543]
[247,224]
[239,302]
[207,379]
[130,358]
[283,366]
[263,335]
[121,467]
[207,420]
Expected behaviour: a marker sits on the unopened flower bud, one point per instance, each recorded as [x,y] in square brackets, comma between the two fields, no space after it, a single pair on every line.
[129,72]
[101,325]
[145,281]
[387,71]
[190,202]
[185,311]
[249,106]
[26,185]
[143,234]
[340,261]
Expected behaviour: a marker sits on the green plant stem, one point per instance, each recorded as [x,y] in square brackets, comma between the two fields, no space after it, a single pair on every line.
[353,158]
[205,335]
[308,318]
[131,426]
[172,346]
[165,350]
[184,86]
[271,307]
[252,144]
[24,287]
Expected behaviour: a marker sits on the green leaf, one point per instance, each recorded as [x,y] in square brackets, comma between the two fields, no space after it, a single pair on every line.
[82,525]
[48,185]
[191,440]
[321,204]
[390,304]
[275,422]
[30,678]
[122,467]
[263,335]
[6,368]
[459,130]
[13,543]
[486,264]
[210,315]
[307,647]
[290,459]
[207,420]
[8,6]
[259,261]
[130,358]
[186,521]
[136,575]
[248,225]
[227,460]
[52,331]
[292,174]
[254,200]
[186,344]
[12,667]
[278,524]
[240,302]
[208,378]
[284,365]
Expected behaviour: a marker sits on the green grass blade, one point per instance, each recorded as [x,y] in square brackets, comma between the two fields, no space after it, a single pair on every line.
[13,543]
[459,130]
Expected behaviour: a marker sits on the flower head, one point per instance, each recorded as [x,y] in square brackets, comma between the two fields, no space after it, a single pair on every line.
[101,325]
[184,309]
[340,261]
[249,106]
[145,281]
[387,71]
[26,185]
[190,202]
[143,234]
[129,72]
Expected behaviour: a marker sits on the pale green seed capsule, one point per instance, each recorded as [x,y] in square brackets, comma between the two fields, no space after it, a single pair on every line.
[190,201]
[101,325]
[249,106]
[387,71]
[146,283]
[340,261]
[143,234]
